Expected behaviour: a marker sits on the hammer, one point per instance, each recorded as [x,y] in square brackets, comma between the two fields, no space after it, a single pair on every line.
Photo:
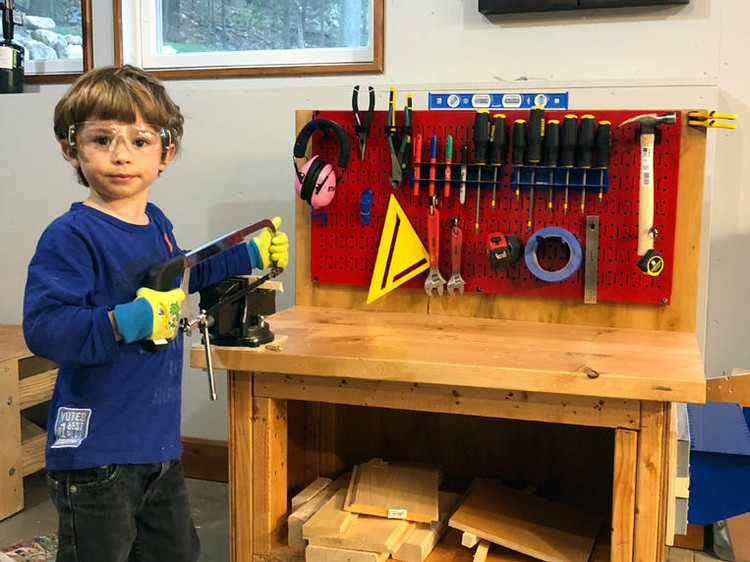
[651,262]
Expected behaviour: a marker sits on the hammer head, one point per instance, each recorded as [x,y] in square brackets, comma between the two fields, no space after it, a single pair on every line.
[649,121]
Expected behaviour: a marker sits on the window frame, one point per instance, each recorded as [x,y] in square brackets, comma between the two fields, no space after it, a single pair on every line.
[370,67]
[88,54]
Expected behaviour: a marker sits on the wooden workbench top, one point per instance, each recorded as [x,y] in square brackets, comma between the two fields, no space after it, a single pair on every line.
[476,352]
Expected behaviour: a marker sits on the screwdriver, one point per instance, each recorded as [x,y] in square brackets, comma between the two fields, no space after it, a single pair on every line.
[448,163]
[464,162]
[551,151]
[603,147]
[519,146]
[568,142]
[481,138]
[433,161]
[497,146]
[585,150]
[534,152]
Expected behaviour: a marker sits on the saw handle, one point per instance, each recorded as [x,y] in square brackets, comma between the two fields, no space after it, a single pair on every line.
[161,277]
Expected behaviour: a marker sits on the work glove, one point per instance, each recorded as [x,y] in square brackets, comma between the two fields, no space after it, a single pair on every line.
[153,314]
[269,248]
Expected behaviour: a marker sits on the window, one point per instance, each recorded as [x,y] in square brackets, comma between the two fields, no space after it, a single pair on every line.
[56,36]
[198,38]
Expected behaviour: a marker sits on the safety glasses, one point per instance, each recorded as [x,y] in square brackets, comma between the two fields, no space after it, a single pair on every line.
[103,137]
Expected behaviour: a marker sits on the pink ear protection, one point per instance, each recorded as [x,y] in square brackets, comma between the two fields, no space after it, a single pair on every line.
[315,182]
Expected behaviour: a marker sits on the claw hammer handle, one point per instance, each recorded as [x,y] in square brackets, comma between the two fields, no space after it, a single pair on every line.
[646,195]
[456,239]
[433,236]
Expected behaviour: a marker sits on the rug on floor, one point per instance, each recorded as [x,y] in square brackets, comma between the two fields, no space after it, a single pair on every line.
[38,549]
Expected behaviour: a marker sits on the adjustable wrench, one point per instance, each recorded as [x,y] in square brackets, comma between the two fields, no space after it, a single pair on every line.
[456,283]
[434,282]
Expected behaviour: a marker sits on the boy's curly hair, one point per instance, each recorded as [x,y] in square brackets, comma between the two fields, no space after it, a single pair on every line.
[118,93]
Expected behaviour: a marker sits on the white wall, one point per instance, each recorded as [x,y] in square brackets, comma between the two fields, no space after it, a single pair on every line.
[236,162]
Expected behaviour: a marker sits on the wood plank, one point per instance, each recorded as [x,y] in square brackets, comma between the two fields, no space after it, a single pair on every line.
[534,406]
[311,490]
[369,533]
[269,473]
[297,519]
[331,519]
[671,475]
[478,353]
[623,495]
[11,461]
[449,549]
[647,538]
[735,388]
[693,539]
[394,490]
[526,523]
[34,440]
[328,554]
[12,344]
[423,538]
[480,554]
[240,406]
[37,388]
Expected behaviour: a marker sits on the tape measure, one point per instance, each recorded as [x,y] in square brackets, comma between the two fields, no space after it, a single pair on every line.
[651,263]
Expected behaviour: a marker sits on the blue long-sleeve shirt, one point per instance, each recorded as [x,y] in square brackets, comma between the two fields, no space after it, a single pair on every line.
[113,402]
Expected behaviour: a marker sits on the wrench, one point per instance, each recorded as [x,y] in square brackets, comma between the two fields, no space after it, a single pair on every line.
[434,282]
[456,283]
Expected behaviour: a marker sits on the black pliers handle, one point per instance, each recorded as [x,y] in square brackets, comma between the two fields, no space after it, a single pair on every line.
[362,126]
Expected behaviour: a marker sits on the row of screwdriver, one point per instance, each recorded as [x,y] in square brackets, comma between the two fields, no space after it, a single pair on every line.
[536,143]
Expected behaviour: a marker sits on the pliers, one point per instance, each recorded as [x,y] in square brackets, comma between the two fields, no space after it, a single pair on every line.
[401,157]
[362,127]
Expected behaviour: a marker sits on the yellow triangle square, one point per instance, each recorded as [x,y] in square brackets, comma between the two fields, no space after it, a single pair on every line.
[401,254]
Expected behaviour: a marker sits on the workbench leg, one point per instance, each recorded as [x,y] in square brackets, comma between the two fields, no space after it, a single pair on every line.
[240,409]
[623,495]
[269,473]
[650,505]
[11,462]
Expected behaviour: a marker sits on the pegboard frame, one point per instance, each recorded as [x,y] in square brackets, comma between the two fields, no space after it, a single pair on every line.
[679,316]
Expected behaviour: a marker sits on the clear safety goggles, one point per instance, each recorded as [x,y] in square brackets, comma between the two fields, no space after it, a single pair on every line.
[96,136]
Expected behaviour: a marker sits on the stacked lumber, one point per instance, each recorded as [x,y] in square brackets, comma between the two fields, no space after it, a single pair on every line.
[379,510]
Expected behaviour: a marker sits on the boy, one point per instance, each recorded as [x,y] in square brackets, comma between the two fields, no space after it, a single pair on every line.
[113,441]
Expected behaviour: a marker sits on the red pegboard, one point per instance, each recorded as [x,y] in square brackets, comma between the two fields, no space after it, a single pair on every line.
[344,249]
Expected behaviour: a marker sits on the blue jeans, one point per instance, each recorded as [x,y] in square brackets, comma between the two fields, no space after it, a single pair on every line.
[124,513]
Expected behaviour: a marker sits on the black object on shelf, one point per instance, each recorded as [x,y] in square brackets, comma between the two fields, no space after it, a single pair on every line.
[489,7]
[11,51]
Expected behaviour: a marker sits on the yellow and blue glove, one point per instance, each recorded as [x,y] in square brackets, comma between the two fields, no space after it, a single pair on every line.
[269,248]
[153,314]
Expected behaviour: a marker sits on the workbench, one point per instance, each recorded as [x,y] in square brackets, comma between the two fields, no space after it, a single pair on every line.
[572,400]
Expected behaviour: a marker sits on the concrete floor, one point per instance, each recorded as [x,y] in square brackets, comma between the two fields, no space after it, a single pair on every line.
[209,501]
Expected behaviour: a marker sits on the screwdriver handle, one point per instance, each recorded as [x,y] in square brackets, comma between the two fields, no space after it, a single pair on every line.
[417,160]
[433,161]
[603,143]
[448,163]
[498,138]
[433,236]
[456,239]
[568,141]
[481,135]
[519,141]
[464,162]
[535,135]
[552,142]
[586,130]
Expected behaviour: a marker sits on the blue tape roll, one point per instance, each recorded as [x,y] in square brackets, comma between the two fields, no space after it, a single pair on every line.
[576,254]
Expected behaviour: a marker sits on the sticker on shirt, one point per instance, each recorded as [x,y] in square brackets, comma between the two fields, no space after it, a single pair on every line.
[71,427]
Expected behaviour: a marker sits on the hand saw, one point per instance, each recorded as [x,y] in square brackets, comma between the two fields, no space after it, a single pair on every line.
[162,276]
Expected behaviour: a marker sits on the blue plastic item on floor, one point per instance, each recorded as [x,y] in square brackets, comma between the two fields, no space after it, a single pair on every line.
[719,462]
